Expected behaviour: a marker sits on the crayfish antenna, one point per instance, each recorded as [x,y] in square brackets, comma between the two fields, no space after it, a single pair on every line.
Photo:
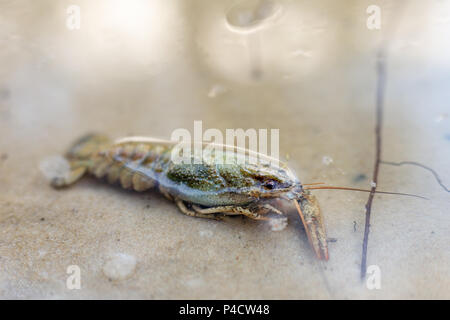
[313,184]
[364,190]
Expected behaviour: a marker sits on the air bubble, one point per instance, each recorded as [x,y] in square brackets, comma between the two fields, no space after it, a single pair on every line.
[252,14]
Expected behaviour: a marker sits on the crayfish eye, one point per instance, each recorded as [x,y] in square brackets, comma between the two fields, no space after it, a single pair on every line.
[269,185]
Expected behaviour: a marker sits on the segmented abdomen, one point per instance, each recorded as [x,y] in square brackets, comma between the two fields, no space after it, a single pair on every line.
[135,165]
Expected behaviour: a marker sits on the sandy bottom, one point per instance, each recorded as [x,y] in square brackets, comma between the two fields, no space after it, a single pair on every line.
[314,79]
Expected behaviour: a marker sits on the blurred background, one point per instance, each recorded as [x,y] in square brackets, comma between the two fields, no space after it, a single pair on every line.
[150,67]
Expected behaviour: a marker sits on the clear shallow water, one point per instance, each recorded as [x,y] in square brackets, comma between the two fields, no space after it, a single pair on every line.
[148,69]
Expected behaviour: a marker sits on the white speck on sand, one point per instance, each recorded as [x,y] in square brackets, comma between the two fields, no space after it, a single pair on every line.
[206,233]
[373,184]
[216,90]
[195,282]
[41,253]
[326,160]
[301,53]
[120,266]
[278,224]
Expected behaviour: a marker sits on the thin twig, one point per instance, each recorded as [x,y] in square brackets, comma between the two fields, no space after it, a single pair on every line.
[413,163]
[381,83]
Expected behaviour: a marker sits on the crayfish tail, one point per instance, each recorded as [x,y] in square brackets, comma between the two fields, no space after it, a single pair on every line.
[86,146]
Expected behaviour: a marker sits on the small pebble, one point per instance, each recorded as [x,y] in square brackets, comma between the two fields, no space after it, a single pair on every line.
[278,224]
[119,267]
